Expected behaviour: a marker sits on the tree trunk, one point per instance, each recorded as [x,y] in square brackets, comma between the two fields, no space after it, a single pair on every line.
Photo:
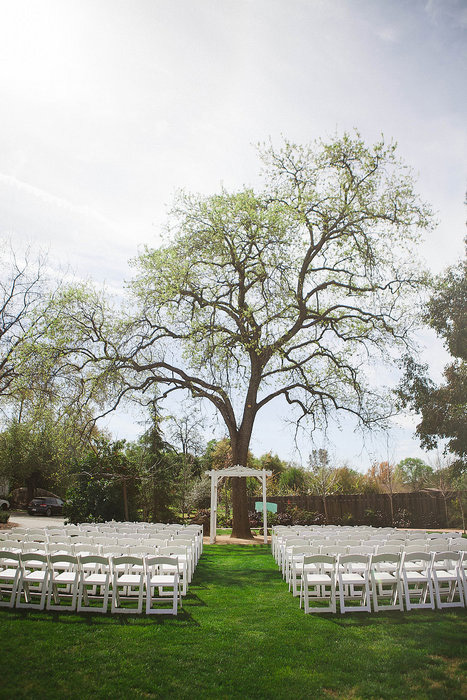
[325,510]
[125,501]
[240,443]
[241,523]
[391,504]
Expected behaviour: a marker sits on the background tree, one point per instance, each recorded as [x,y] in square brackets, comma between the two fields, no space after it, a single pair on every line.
[322,478]
[413,472]
[292,480]
[185,436]
[38,448]
[349,481]
[23,307]
[445,481]
[443,408]
[104,487]
[280,294]
[384,475]
[158,470]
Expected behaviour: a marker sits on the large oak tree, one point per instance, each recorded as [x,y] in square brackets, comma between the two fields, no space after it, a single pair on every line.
[285,293]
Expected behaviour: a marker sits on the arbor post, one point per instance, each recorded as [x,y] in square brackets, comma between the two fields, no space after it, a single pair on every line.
[213,526]
[237,470]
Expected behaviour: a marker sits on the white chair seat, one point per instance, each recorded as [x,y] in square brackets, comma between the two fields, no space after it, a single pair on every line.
[318,579]
[95,579]
[384,577]
[129,579]
[352,579]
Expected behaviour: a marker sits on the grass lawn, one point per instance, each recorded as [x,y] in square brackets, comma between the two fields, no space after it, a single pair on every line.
[240,635]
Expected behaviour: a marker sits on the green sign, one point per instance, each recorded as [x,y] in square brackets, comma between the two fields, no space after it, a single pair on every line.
[272,507]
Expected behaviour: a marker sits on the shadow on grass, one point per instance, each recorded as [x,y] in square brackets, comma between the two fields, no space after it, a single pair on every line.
[366,619]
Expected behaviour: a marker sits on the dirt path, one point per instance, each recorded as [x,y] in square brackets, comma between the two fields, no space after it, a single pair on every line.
[226,539]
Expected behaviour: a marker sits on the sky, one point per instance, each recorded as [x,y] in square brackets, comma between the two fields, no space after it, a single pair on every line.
[108,107]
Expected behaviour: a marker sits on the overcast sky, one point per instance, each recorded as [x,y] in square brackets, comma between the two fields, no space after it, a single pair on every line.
[108,106]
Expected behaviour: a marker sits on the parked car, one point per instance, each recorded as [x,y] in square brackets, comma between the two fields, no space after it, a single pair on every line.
[4,504]
[45,505]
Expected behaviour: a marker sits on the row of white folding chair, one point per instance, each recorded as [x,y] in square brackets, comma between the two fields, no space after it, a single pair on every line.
[298,553]
[282,538]
[418,580]
[181,549]
[362,532]
[436,544]
[167,535]
[80,541]
[189,540]
[294,558]
[293,548]
[67,582]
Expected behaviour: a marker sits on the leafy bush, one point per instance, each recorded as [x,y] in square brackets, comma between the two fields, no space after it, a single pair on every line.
[200,494]
[95,500]
[430,521]
[283,519]
[256,519]
[223,520]
[203,517]
[300,516]
[374,517]
[347,519]
[402,518]
[4,516]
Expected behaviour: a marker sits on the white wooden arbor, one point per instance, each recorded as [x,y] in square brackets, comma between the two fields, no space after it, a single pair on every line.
[218,474]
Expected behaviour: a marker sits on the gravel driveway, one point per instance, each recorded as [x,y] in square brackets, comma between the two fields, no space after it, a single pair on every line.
[24,520]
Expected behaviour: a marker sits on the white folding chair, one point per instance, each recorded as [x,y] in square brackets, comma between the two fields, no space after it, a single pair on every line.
[85,549]
[388,549]
[127,584]
[190,553]
[438,545]
[334,550]
[162,584]
[11,546]
[411,548]
[63,582]
[33,581]
[129,541]
[417,580]
[285,547]
[10,569]
[386,584]
[457,544]
[59,549]
[156,542]
[180,553]
[113,550]
[318,583]
[94,583]
[295,565]
[447,579]
[353,576]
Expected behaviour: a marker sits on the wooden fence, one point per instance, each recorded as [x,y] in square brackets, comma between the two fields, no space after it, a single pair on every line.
[417,509]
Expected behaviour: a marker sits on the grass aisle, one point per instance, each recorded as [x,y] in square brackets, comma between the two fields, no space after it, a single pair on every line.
[240,635]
